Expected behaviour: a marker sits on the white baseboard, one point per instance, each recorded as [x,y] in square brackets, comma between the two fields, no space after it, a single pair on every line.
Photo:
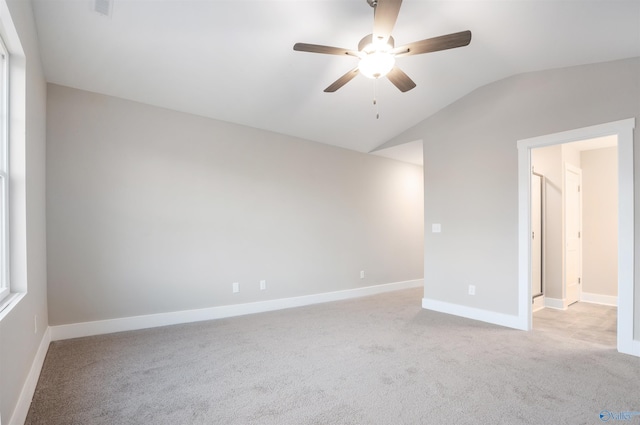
[507,320]
[28,389]
[557,303]
[563,304]
[77,330]
[599,299]
[630,347]
[538,304]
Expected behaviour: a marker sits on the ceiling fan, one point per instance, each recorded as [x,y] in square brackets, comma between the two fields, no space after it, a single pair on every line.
[377,52]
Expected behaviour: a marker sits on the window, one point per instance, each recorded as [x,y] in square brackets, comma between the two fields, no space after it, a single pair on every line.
[4,172]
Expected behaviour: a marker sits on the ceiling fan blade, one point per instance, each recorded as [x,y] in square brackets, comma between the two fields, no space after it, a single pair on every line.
[327,50]
[384,19]
[400,79]
[342,80]
[444,42]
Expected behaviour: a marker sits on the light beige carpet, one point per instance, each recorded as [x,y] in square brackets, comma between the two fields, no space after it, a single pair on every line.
[375,360]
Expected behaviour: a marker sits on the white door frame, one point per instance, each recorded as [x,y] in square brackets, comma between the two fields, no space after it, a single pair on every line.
[567,167]
[624,131]
[538,225]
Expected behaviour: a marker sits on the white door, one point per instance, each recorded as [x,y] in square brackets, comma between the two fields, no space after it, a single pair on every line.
[572,233]
[536,235]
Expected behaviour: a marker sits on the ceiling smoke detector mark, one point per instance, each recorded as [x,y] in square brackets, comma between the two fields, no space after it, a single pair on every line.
[103,7]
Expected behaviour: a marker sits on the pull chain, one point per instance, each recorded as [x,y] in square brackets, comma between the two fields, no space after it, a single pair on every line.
[375,101]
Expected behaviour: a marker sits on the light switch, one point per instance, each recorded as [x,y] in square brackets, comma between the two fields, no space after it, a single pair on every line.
[436,228]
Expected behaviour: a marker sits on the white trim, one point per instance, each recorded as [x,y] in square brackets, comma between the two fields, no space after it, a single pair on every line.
[557,303]
[624,131]
[8,303]
[635,348]
[524,246]
[501,319]
[588,297]
[568,167]
[626,199]
[28,389]
[5,116]
[77,330]
[538,303]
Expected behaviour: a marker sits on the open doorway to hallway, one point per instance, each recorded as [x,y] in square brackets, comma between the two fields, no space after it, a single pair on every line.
[626,312]
[574,223]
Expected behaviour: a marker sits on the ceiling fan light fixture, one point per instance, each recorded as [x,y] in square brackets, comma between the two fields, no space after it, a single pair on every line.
[376,64]
[377,53]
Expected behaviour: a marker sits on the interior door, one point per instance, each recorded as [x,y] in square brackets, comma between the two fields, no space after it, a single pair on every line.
[536,235]
[572,233]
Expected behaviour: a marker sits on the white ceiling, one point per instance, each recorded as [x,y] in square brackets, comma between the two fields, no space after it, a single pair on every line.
[234,60]
[597,143]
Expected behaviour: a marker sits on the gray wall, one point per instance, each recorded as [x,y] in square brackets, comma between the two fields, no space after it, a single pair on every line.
[471,172]
[151,210]
[18,341]
[600,221]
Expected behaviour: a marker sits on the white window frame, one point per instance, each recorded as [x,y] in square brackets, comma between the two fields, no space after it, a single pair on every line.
[5,287]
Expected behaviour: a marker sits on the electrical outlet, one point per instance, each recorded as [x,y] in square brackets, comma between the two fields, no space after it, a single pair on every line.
[472,289]
[236,287]
[263,285]
[361,274]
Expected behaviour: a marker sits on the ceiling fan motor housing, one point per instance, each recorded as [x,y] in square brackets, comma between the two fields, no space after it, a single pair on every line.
[367,45]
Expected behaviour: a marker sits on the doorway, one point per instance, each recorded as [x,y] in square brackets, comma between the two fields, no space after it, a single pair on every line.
[581,194]
[623,130]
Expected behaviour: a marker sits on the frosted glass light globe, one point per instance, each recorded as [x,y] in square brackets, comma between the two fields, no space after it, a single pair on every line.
[376,64]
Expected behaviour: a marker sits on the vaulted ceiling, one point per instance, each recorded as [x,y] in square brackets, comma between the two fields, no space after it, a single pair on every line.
[234,60]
